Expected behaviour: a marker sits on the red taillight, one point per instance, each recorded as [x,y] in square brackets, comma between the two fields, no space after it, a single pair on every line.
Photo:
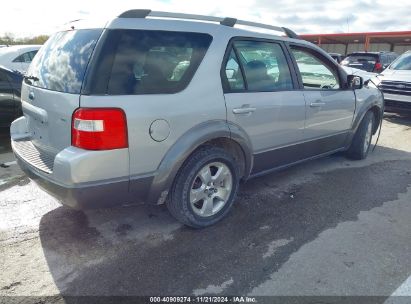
[99,129]
[378,66]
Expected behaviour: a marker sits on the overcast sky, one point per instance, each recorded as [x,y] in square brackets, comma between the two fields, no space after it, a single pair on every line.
[29,18]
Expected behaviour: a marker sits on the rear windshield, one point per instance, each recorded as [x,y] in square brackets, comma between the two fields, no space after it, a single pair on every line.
[132,62]
[361,58]
[402,63]
[61,63]
[360,61]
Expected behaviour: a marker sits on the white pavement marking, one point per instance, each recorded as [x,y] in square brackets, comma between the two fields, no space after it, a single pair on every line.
[401,294]
[212,289]
[21,210]
[10,163]
[275,245]
[402,291]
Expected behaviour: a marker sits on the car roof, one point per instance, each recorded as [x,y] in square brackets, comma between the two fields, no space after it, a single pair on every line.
[187,23]
[3,68]
[21,47]
[364,54]
[371,53]
[192,23]
[10,71]
[194,26]
[15,49]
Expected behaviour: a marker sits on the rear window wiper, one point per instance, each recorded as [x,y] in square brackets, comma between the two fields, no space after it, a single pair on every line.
[31,77]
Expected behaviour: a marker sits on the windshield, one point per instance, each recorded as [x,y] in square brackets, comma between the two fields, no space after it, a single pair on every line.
[61,63]
[402,63]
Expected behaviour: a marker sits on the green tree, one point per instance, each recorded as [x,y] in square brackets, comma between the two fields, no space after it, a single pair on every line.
[9,39]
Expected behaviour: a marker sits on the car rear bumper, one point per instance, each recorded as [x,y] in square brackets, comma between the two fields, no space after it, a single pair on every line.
[90,195]
[78,178]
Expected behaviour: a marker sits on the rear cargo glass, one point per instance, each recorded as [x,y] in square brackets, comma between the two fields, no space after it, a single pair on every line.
[61,63]
[132,62]
[363,62]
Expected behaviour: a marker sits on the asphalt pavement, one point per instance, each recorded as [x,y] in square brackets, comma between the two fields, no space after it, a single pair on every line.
[329,227]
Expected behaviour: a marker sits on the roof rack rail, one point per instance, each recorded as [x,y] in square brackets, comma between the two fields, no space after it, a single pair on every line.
[231,22]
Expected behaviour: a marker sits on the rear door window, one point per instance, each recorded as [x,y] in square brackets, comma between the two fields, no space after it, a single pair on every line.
[233,74]
[148,62]
[20,58]
[26,57]
[31,55]
[264,66]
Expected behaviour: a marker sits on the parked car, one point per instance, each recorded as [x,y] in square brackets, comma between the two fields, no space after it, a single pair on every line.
[369,61]
[396,84]
[10,87]
[179,112]
[18,57]
[364,74]
[337,57]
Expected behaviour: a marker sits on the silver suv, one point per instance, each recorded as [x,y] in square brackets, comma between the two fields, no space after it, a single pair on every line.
[167,110]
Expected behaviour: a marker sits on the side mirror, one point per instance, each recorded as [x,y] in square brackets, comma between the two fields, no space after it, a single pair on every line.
[229,73]
[355,82]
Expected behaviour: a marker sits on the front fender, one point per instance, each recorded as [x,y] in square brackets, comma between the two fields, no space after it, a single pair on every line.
[185,145]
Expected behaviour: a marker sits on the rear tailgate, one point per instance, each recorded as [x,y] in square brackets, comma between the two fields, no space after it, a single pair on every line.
[48,115]
[51,90]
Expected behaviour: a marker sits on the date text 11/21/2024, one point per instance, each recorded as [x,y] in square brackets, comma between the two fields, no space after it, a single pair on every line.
[204,299]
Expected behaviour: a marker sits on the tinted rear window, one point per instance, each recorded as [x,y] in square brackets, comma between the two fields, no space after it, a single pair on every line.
[361,58]
[61,63]
[146,62]
[361,61]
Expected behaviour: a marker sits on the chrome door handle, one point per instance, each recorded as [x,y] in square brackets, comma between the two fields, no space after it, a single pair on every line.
[317,104]
[244,110]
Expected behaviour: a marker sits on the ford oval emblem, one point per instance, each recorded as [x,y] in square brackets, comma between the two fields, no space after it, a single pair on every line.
[400,86]
[31,96]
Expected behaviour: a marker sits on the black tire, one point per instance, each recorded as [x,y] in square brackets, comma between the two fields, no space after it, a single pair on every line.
[358,149]
[179,203]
